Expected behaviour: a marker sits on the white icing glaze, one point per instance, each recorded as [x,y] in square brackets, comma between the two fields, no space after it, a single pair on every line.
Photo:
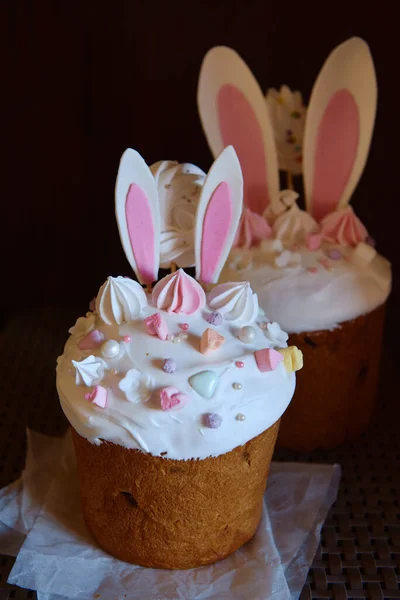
[287,259]
[180,433]
[83,326]
[301,300]
[276,335]
[236,301]
[120,300]
[179,187]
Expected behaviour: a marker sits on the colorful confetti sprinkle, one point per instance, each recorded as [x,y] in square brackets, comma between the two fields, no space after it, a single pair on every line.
[215,318]
[169,365]
[212,420]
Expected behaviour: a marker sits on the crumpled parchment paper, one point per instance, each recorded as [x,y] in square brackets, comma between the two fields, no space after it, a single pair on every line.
[41,523]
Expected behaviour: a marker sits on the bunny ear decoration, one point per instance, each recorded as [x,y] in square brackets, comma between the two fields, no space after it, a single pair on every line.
[339,127]
[138,215]
[218,214]
[233,112]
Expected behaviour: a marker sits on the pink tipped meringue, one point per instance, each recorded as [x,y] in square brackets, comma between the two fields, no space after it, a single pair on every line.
[179,293]
[253,228]
[343,227]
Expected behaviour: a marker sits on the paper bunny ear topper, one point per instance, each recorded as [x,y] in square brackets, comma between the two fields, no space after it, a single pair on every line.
[233,112]
[138,215]
[339,127]
[218,215]
[338,130]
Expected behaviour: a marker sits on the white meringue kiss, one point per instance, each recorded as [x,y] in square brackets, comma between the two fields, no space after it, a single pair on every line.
[235,301]
[120,300]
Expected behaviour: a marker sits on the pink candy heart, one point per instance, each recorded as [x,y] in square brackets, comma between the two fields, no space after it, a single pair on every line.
[156,325]
[314,241]
[98,396]
[171,397]
[267,359]
[92,340]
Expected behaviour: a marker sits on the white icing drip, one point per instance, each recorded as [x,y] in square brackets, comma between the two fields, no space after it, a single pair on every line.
[120,300]
[143,425]
[276,335]
[235,301]
[288,260]
[301,300]
[83,325]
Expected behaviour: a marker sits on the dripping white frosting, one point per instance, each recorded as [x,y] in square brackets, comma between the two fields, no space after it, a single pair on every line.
[319,293]
[133,417]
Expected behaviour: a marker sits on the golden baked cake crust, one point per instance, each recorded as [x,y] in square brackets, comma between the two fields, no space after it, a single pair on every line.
[339,399]
[173,514]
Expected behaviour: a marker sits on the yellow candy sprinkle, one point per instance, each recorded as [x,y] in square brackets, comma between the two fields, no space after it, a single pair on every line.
[292,358]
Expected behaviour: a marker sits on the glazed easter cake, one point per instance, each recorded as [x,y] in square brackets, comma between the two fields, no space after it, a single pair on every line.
[174,395]
[315,271]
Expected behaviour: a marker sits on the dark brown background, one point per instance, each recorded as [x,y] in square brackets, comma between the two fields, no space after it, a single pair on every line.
[84,80]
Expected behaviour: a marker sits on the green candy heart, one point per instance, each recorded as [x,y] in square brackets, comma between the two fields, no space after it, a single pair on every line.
[204,383]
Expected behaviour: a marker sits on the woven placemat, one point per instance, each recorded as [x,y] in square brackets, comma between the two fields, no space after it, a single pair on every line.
[359,553]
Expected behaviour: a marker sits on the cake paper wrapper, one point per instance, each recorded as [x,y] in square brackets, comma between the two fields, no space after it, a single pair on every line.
[42,524]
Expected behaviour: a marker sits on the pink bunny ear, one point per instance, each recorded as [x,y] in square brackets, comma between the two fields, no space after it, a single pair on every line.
[138,215]
[218,214]
[233,112]
[339,127]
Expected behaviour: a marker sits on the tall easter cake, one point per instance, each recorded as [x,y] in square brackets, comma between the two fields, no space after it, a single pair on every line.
[174,395]
[315,271]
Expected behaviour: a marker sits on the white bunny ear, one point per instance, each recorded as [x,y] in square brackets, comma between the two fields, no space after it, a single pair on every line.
[138,215]
[218,214]
[233,112]
[339,127]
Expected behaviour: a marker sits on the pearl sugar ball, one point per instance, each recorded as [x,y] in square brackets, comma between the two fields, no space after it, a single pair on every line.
[247,334]
[110,349]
